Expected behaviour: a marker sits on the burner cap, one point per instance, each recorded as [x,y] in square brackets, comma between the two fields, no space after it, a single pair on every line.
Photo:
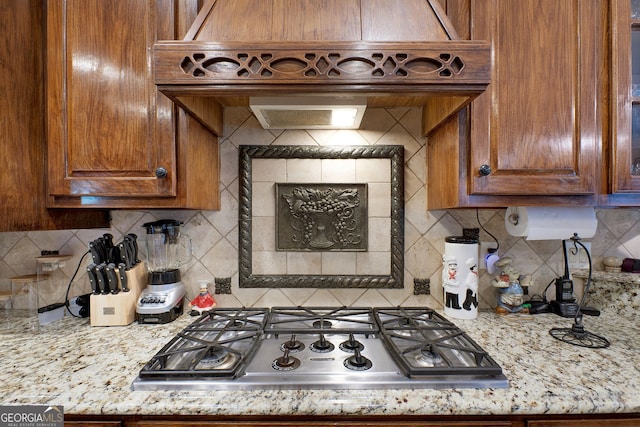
[322,324]
[237,323]
[217,358]
[428,357]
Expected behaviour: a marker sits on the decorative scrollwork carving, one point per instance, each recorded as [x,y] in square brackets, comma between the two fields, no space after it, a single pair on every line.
[358,65]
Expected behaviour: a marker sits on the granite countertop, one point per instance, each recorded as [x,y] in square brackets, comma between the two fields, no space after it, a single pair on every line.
[89,370]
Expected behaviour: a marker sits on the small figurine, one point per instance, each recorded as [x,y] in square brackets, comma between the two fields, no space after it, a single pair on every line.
[510,292]
[202,302]
[450,283]
[471,283]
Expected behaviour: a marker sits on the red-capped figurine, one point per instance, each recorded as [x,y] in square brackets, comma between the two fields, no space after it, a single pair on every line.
[202,302]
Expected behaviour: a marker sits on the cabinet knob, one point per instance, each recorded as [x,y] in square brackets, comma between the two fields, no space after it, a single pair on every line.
[485,170]
[161,172]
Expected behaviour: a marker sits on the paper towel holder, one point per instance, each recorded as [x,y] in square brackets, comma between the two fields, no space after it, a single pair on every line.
[514,218]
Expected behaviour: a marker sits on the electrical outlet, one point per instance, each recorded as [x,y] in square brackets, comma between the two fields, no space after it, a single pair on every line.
[577,259]
[484,251]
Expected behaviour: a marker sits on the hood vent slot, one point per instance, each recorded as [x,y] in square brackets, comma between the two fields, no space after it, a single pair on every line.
[308,112]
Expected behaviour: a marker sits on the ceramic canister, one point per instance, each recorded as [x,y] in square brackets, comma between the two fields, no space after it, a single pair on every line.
[460,277]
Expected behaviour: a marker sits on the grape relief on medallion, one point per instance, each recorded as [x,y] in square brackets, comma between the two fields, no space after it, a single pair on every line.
[321,217]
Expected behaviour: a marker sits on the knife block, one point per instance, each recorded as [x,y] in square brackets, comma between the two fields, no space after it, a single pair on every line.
[119,309]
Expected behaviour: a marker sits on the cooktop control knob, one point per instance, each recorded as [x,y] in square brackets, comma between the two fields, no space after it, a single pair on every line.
[357,362]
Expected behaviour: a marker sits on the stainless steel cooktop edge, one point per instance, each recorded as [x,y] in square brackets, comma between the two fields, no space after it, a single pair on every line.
[261,383]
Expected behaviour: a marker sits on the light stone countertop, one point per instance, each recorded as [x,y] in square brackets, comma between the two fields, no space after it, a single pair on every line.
[89,370]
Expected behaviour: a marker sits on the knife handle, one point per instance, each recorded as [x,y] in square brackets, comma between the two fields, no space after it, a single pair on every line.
[108,240]
[102,279]
[95,253]
[122,272]
[112,278]
[124,258]
[134,243]
[92,279]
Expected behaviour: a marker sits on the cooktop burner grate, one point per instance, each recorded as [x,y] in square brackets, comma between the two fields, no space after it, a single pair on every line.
[218,344]
[320,319]
[424,343]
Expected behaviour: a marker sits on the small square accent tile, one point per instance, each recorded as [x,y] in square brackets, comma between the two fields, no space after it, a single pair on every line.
[223,285]
[421,286]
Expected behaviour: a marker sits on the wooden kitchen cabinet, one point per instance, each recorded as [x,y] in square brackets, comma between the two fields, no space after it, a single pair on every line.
[625,105]
[536,135]
[113,139]
[22,129]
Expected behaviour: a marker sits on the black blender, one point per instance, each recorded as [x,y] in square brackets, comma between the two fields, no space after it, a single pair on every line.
[162,301]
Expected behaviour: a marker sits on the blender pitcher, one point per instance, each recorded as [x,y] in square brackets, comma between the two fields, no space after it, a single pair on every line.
[167,248]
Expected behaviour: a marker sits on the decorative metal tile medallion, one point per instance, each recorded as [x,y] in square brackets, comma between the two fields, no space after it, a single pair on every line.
[321,217]
[247,278]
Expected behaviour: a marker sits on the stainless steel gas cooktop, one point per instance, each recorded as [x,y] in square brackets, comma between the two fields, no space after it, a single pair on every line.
[320,347]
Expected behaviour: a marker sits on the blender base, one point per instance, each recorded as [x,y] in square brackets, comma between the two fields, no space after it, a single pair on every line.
[161,303]
[160,318]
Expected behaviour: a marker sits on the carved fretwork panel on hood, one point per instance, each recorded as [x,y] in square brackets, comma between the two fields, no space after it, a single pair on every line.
[220,65]
[456,65]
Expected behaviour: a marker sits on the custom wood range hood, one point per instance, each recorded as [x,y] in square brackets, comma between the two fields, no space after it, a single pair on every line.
[391,52]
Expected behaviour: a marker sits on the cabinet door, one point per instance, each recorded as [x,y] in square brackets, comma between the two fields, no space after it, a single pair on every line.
[110,132]
[22,180]
[538,128]
[625,88]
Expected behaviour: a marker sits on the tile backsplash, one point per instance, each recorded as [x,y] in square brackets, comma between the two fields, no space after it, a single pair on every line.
[215,233]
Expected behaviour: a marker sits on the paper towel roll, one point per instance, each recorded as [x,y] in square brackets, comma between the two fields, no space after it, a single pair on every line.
[551,223]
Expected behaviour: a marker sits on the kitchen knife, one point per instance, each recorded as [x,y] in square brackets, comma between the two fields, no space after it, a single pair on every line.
[126,253]
[95,252]
[122,272]
[92,279]
[124,258]
[112,278]
[107,241]
[101,278]
[114,254]
[134,244]
[102,248]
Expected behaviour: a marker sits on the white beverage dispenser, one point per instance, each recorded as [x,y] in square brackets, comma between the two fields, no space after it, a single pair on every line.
[460,277]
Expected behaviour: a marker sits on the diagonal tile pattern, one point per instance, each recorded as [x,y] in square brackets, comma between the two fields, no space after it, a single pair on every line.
[215,234]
